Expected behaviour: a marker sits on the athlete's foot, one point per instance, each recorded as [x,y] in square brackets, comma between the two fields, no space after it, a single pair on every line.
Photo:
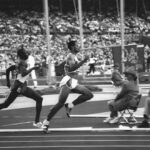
[45,130]
[68,110]
[45,126]
[37,124]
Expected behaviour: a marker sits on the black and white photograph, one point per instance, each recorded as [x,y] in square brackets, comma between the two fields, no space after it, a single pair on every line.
[74,74]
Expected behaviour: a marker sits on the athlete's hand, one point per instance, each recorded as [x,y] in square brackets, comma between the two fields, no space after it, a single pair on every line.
[37,66]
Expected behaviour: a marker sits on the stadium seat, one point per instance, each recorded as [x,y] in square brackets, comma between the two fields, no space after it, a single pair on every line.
[127,114]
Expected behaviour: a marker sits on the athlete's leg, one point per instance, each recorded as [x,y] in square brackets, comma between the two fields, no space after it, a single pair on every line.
[10,98]
[64,92]
[63,95]
[86,94]
[30,93]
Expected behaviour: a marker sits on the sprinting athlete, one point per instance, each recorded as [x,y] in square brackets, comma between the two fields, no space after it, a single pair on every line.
[20,85]
[68,84]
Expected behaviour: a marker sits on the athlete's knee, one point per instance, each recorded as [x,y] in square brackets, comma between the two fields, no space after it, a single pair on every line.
[90,95]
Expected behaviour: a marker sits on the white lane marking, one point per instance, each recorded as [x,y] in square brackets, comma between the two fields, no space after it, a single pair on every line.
[137,114]
[51,129]
[77,146]
[78,129]
[69,141]
[4,117]
[14,124]
[73,135]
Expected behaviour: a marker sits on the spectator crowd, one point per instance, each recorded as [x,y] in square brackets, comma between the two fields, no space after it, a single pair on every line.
[27,28]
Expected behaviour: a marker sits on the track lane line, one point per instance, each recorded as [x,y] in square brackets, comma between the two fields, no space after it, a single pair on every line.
[78,146]
[78,129]
[68,141]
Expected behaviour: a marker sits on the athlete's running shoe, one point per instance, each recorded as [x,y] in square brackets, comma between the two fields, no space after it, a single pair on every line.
[68,110]
[37,124]
[114,120]
[107,120]
[45,126]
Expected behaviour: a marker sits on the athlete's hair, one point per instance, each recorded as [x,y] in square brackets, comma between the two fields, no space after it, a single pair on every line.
[22,54]
[71,43]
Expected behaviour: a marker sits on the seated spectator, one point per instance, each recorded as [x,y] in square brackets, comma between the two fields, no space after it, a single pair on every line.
[145,123]
[124,98]
[116,77]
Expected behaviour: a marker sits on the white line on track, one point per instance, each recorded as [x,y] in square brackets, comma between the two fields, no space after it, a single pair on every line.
[14,124]
[98,115]
[52,129]
[74,135]
[68,141]
[77,146]
[78,129]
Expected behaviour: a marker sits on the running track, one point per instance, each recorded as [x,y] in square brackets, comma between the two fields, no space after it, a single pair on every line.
[79,140]
[76,133]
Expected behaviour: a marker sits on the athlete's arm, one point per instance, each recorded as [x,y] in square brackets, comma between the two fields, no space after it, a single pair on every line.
[72,66]
[8,70]
[23,69]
